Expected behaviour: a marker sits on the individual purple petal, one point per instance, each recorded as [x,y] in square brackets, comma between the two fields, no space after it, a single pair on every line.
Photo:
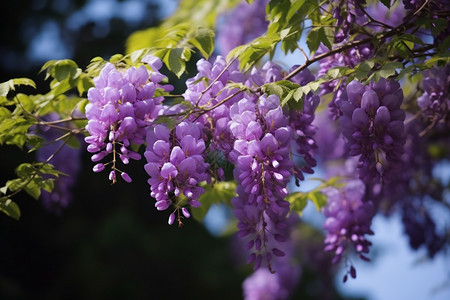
[171,218]
[99,167]
[169,171]
[126,177]
[185,212]
[360,118]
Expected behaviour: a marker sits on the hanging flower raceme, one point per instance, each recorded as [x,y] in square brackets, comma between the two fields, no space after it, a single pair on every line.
[176,166]
[263,166]
[435,101]
[372,123]
[301,122]
[348,220]
[65,159]
[208,89]
[241,25]
[122,104]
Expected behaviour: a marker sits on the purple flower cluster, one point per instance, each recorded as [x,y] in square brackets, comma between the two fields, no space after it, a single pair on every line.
[304,131]
[198,94]
[250,131]
[122,104]
[176,166]
[330,143]
[261,155]
[435,101]
[348,220]
[243,24]
[346,14]
[263,284]
[349,58]
[372,124]
[392,16]
[415,184]
[66,160]
[432,10]
[270,72]
[258,137]
[421,227]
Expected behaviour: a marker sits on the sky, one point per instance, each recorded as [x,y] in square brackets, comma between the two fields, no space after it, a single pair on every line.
[396,272]
[47,44]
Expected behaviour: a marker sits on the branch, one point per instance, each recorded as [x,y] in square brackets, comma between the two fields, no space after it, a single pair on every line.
[349,45]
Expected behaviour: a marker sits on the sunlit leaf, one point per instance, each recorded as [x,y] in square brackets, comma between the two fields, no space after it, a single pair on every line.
[10,208]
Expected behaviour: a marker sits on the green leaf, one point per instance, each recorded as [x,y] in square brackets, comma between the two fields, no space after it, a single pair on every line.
[406,72]
[200,212]
[74,142]
[203,40]
[298,201]
[390,69]
[317,35]
[137,55]
[436,59]
[84,83]
[15,184]
[273,89]
[404,48]
[298,94]
[338,72]
[221,192]
[26,103]
[63,69]
[46,168]
[313,39]
[10,208]
[25,170]
[236,52]
[13,131]
[295,6]
[170,122]
[174,62]
[327,36]
[444,45]
[34,141]
[33,189]
[60,87]
[363,69]
[252,52]
[49,64]
[284,89]
[24,81]
[116,57]
[4,190]
[45,184]
[82,105]
[318,198]
[7,86]
[4,113]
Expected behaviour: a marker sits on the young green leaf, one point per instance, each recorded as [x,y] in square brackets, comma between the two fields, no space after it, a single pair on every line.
[318,198]
[221,192]
[10,208]
[203,40]
[298,201]
[174,61]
